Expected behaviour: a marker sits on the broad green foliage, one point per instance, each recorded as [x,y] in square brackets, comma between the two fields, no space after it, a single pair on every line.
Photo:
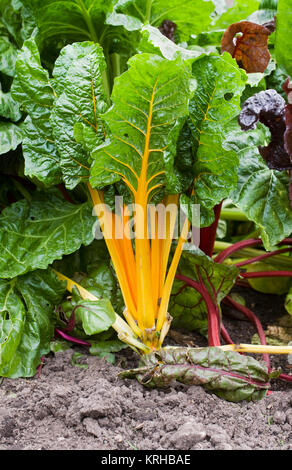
[283,35]
[63,112]
[33,235]
[187,307]
[261,193]
[149,101]
[32,88]
[26,326]
[189,15]
[10,137]
[75,117]
[215,103]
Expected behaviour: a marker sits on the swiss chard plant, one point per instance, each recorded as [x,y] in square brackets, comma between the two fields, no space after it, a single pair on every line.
[130,130]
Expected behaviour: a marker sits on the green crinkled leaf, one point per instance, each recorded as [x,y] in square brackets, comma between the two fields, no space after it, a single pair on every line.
[215,103]
[261,194]
[228,374]
[8,53]
[32,88]
[9,108]
[33,235]
[10,137]
[190,17]
[187,306]
[75,118]
[26,321]
[96,316]
[283,34]
[149,102]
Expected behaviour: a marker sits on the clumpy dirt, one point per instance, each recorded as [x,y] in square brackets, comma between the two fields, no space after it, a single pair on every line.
[68,407]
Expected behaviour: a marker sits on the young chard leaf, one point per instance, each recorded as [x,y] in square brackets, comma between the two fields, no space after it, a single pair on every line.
[250,49]
[96,316]
[26,321]
[33,235]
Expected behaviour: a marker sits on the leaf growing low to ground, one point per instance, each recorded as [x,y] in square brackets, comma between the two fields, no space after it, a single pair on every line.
[228,374]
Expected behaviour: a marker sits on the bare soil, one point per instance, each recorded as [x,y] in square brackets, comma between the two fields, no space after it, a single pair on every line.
[73,408]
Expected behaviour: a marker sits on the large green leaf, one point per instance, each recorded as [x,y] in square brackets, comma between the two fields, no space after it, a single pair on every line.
[215,103]
[26,321]
[189,16]
[187,306]
[71,19]
[149,101]
[283,35]
[75,117]
[33,235]
[10,137]
[261,194]
[32,88]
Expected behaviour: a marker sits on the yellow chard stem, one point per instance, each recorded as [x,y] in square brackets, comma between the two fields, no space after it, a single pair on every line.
[167,241]
[162,314]
[145,307]
[257,348]
[114,251]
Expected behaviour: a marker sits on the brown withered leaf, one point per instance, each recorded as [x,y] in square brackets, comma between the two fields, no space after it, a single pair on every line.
[251,48]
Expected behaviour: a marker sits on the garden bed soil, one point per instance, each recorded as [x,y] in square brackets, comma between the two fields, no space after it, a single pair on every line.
[68,407]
